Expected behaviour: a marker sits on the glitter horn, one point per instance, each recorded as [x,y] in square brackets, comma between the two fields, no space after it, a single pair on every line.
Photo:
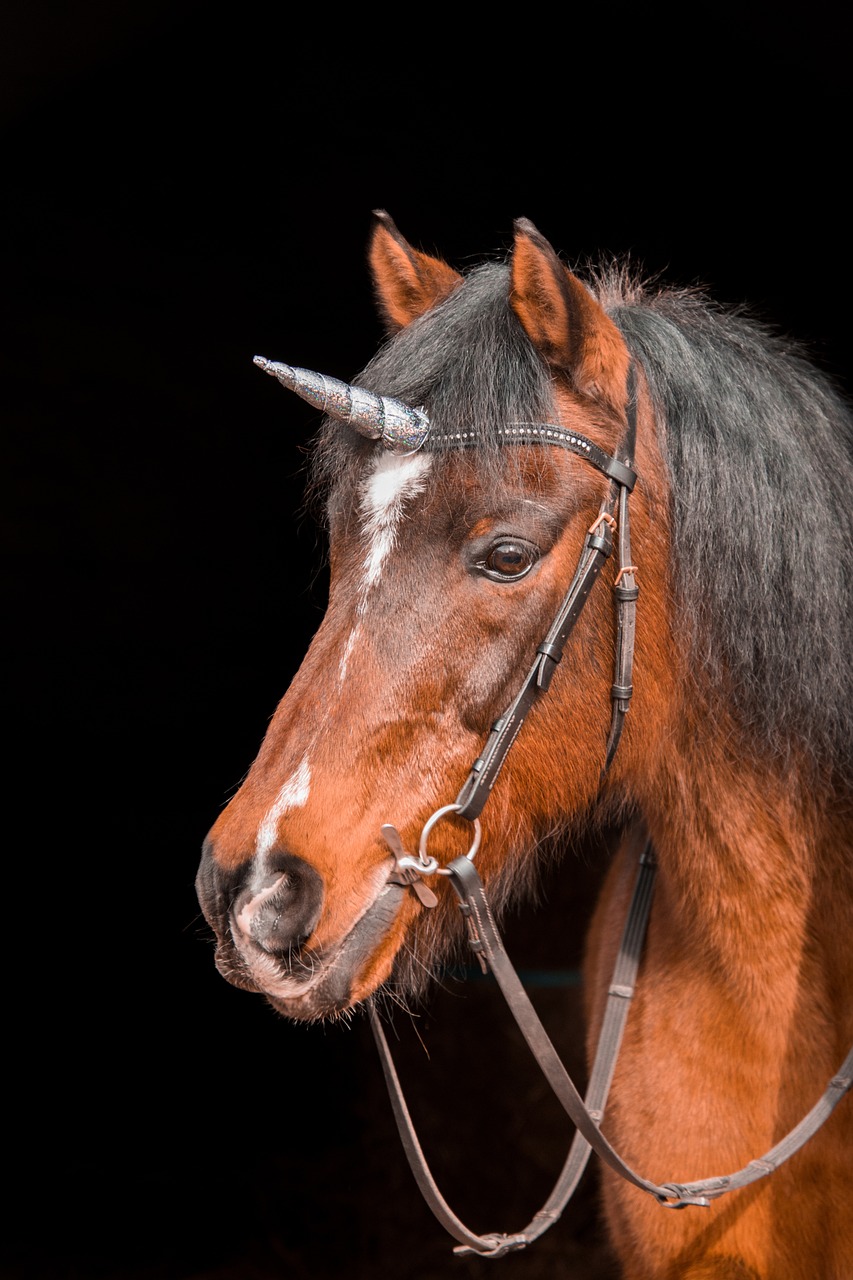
[400,428]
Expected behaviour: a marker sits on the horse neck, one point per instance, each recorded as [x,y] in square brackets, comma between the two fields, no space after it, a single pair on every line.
[748,843]
[754,862]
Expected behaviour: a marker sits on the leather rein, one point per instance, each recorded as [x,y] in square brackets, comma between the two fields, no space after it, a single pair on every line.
[484,939]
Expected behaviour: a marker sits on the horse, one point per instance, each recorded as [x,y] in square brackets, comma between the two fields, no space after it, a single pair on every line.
[477,477]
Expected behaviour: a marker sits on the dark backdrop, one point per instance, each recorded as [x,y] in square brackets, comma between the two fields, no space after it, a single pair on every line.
[181,192]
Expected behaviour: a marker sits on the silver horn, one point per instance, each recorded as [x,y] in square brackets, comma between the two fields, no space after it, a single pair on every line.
[400,428]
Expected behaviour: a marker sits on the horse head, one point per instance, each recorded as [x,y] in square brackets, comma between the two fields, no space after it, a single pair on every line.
[450,552]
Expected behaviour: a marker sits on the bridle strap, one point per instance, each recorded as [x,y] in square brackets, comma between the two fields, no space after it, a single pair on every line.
[625,592]
[486,941]
[597,548]
[621,991]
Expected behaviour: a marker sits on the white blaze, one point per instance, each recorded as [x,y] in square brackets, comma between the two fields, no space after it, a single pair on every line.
[392,482]
[292,795]
[345,656]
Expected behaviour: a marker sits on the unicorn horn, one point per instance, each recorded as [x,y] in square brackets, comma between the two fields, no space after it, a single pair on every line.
[400,428]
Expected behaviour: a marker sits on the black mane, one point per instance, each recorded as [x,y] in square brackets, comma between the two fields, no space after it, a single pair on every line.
[759,446]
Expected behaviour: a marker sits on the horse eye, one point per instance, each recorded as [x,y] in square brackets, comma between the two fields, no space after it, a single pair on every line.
[510,560]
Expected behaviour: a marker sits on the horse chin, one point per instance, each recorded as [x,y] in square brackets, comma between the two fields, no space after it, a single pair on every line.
[329,985]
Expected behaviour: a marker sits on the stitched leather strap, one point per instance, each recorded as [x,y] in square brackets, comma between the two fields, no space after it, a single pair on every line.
[598,546]
[487,942]
[625,592]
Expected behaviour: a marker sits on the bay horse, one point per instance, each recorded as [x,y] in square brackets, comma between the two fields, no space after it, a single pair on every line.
[476,476]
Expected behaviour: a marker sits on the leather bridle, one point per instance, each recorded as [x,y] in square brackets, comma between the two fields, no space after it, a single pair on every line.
[483,935]
[597,549]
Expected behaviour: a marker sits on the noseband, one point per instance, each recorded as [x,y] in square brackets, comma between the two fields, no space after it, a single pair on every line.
[404,430]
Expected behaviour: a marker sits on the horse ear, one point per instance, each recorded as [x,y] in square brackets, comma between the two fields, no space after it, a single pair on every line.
[564,321]
[406,282]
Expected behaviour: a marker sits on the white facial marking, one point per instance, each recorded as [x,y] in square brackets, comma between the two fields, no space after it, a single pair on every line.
[292,795]
[348,648]
[392,482]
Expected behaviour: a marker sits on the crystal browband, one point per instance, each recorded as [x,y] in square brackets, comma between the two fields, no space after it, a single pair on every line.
[537,433]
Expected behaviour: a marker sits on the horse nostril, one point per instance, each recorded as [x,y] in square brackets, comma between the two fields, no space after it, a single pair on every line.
[279,910]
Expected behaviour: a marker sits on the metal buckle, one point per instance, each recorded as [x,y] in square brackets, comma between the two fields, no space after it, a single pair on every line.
[603,518]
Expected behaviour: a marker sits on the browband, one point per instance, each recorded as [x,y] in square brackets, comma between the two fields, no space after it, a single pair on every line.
[541,433]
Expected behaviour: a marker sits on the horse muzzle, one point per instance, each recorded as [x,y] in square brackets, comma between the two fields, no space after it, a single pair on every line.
[265,919]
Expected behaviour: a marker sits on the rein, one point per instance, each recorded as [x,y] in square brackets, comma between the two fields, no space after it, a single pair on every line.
[483,935]
[586,1113]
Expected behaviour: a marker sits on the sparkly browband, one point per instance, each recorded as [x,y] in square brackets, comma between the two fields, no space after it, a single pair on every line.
[541,433]
[403,429]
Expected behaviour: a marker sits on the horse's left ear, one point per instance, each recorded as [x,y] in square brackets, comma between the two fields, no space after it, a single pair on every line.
[564,321]
[406,282]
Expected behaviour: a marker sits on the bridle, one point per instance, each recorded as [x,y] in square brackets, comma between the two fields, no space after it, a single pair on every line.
[404,430]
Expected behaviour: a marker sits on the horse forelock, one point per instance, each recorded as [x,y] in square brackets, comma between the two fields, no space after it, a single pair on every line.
[468,362]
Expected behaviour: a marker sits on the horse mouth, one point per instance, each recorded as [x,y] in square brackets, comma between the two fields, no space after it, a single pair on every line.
[315,985]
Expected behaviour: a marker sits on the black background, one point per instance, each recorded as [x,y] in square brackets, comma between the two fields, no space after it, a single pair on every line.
[181,191]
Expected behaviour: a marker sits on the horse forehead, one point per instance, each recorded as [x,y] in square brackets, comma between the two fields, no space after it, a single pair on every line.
[512,475]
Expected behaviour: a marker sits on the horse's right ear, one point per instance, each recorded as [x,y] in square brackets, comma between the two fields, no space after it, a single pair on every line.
[564,322]
[406,282]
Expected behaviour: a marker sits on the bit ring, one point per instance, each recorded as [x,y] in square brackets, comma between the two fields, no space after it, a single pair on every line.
[428,826]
